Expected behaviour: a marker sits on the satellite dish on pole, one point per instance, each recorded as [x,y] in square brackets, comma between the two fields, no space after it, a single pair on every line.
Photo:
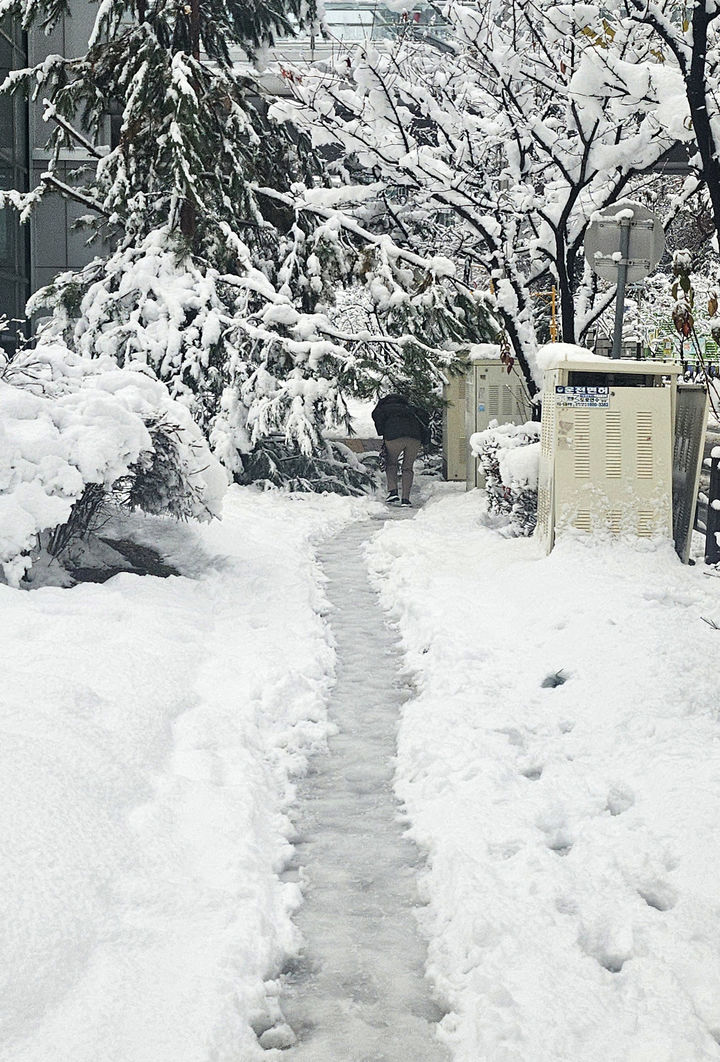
[623,243]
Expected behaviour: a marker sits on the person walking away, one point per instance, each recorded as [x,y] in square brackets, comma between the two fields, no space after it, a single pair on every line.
[404,428]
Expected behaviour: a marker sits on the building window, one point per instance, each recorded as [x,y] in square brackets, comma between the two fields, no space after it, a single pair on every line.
[14,173]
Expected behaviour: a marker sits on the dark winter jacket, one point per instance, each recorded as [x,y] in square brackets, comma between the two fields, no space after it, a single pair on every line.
[396,418]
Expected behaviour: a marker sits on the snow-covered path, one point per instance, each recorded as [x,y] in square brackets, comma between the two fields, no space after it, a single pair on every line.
[358,993]
[150,734]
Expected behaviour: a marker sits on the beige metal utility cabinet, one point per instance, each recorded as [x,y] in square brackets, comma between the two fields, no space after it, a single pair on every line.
[607,447]
[492,394]
[455,444]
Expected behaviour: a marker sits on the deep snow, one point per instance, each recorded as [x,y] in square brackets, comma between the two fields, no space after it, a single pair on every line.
[572,826]
[150,732]
[559,767]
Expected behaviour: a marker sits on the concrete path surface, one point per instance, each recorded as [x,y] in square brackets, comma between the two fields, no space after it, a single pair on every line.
[358,992]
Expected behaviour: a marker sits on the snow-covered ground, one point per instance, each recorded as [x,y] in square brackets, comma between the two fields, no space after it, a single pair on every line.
[150,729]
[560,767]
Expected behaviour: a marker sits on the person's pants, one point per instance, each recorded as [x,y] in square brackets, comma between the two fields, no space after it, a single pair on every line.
[409,448]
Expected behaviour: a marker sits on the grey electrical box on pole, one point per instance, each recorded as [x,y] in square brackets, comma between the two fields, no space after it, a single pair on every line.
[623,243]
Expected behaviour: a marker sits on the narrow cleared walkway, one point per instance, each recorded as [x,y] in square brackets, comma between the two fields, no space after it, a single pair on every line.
[358,993]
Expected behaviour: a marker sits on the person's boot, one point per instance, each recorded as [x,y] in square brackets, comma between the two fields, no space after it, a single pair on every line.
[406,501]
[392,497]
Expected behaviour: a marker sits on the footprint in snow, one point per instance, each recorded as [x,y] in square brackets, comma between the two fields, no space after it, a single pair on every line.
[619,799]
[658,894]
[609,942]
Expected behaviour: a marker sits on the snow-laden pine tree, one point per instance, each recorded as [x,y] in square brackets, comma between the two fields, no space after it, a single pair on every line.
[228,247]
[491,135]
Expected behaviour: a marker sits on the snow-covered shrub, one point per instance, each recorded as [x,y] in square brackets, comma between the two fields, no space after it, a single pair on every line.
[510,456]
[76,431]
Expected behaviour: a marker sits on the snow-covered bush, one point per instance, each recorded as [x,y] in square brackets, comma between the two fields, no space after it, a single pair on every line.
[510,457]
[76,431]
[252,399]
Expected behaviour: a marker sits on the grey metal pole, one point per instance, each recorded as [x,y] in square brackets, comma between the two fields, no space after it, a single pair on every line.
[621,282]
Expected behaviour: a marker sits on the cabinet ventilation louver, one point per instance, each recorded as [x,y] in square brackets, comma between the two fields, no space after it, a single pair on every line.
[645,522]
[613,445]
[644,444]
[583,521]
[614,521]
[548,426]
[582,444]
[508,402]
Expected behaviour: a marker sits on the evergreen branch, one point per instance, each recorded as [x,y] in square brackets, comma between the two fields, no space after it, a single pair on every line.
[67,190]
[345,222]
[51,112]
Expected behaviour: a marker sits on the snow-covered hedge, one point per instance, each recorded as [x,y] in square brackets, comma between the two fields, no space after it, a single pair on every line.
[510,456]
[74,430]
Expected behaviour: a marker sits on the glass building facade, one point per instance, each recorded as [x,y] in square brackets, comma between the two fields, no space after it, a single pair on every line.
[14,173]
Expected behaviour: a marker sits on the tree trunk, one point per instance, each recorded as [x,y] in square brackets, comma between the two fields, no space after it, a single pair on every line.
[566,286]
[516,344]
[195,28]
[188,224]
[695,81]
